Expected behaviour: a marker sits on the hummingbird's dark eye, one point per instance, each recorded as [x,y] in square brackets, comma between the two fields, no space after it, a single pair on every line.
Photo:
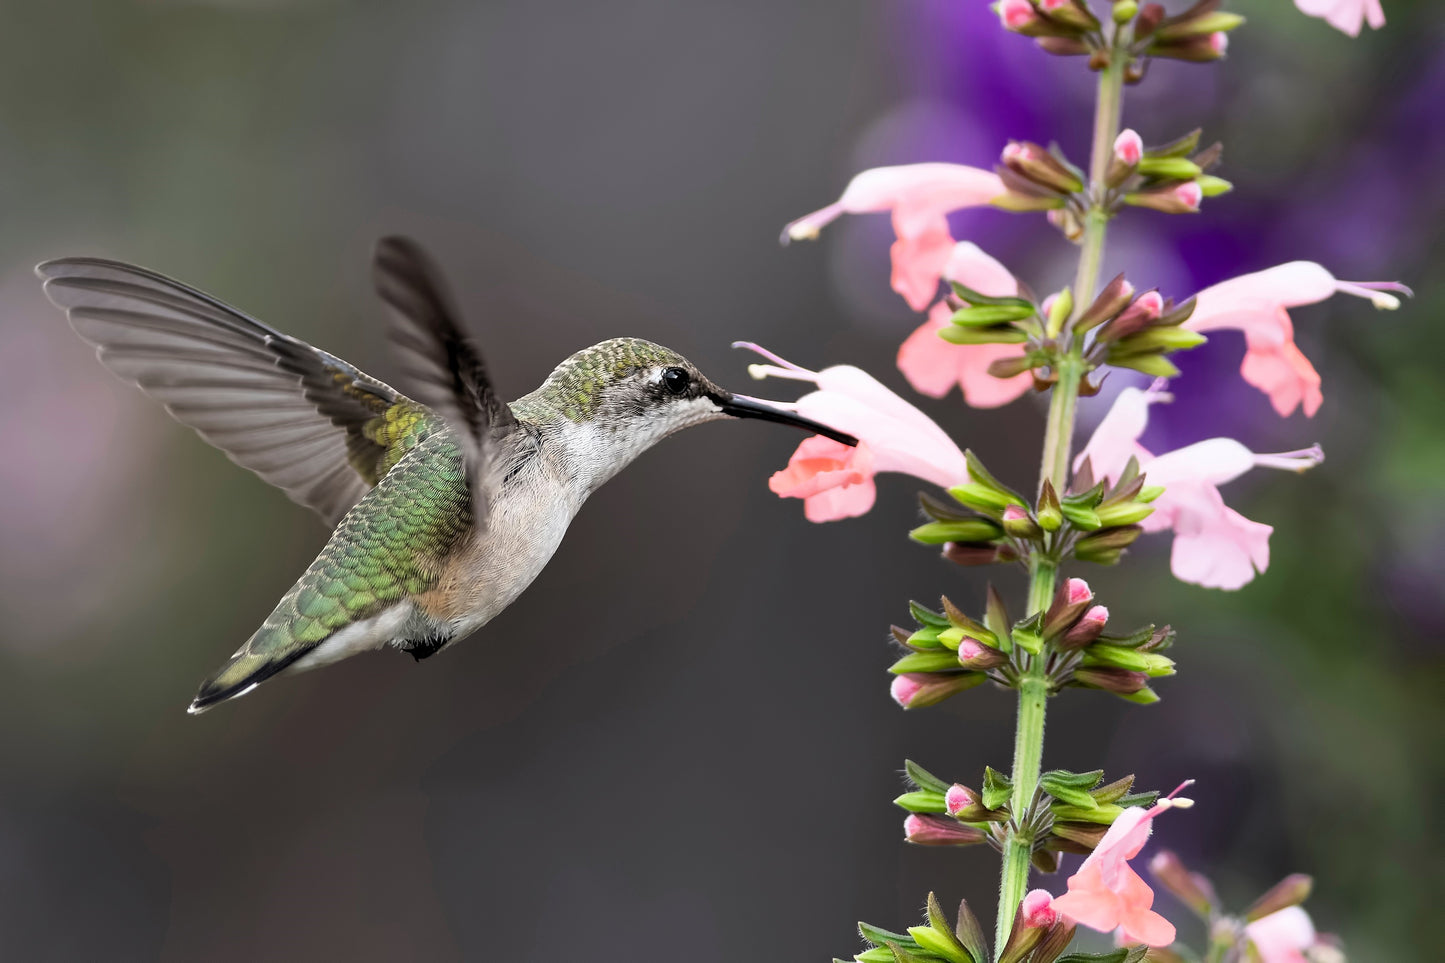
[675,380]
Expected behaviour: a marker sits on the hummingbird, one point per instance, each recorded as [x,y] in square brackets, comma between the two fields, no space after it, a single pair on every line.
[445,505]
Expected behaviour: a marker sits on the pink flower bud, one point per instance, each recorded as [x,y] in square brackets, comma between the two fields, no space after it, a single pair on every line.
[1087,629]
[1097,615]
[1151,302]
[1016,14]
[1037,909]
[1048,305]
[1050,6]
[1219,43]
[903,689]
[1077,591]
[1190,194]
[1013,513]
[1129,148]
[970,649]
[939,831]
[957,799]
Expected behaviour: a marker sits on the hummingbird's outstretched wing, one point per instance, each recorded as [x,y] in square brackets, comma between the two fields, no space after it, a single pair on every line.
[304,420]
[446,368]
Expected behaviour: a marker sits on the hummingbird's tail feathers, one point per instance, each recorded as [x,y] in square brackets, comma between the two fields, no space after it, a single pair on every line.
[304,420]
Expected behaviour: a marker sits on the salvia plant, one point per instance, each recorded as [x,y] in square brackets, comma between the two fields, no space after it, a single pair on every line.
[993,336]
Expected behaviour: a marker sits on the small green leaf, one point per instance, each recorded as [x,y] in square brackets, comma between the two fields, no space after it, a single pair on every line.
[1117,956]
[1074,780]
[878,936]
[995,617]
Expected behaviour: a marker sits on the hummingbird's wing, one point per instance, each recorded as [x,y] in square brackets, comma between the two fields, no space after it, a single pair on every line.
[304,420]
[446,368]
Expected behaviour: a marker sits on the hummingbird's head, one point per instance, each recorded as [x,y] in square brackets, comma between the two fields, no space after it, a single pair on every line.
[621,397]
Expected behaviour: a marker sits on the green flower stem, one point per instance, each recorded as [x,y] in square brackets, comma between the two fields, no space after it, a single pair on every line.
[1058,445]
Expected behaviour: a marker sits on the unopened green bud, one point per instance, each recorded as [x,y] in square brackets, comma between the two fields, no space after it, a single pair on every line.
[1028,639]
[1144,697]
[926,638]
[1158,339]
[1172,168]
[943,944]
[1059,310]
[1150,364]
[1219,21]
[1081,517]
[1133,660]
[1212,186]
[1003,334]
[968,530]
[1123,513]
[1148,493]
[921,801]
[941,660]
[1018,523]
[984,315]
[982,498]
[1124,10]
[1049,513]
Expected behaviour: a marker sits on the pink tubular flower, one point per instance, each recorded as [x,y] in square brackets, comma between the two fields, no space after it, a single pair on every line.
[1106,894]
[1283,936]
[1346,16]
[933,366]
[836,481]
[1256,304]
[919,195]
[1214,546]
[1016,13]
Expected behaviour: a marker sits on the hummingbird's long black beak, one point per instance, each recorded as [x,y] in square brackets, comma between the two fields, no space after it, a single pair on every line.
[741,406]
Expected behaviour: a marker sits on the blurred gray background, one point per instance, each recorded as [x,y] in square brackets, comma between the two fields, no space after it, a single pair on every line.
[678,744]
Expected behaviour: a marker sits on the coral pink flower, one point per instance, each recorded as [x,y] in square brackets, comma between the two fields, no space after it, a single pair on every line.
[1283,936]
[1256,304]
[919,195]
[1346,16]
[1038,910]
[836,481]
[1129,147]
[1106,894]
[1214,546]
[933,366]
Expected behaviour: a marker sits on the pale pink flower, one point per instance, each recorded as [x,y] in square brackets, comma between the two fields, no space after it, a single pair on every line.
[1257,305]
[1129,147]
[933,366]
[957,799]
[1016,13]
[836,481]
[1214,546]
[919,195]
[1190,194]
[1106,894]
[1346,16]
[1283,936]
[1219,43]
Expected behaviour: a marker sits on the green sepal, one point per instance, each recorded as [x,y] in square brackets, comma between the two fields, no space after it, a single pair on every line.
[1060,310]
[1161,338]
[997,788]
[1171,168]
[940,661]
[1028,633]
[968,530]
[944,942]
[966,293]
[1081,517]
[1123,513]
[999,335]
[973,629]
[1144,697]
[922,801]
[1049,512]
[1148,493]
[1021,203]
[924,779]
[1182,147]
[979,474]
[1131,641]
[879,954]
[981,498]
[1104,815]
[986,315]
[970,933]
[1220,21]
[926,638]
[951,638]
[1066,794]
[1150,364]
[1211,186]
[1088,498]
[995,617]
[1129,659]
[1117,956]
[926,616]
[1134,800]
[1074,780]
[1114,791]
[878,936]
[904,955]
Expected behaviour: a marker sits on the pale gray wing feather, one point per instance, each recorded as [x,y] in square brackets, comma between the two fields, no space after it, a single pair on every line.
[275,405]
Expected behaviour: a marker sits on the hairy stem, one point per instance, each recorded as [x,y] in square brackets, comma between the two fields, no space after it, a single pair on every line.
[1058,445]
